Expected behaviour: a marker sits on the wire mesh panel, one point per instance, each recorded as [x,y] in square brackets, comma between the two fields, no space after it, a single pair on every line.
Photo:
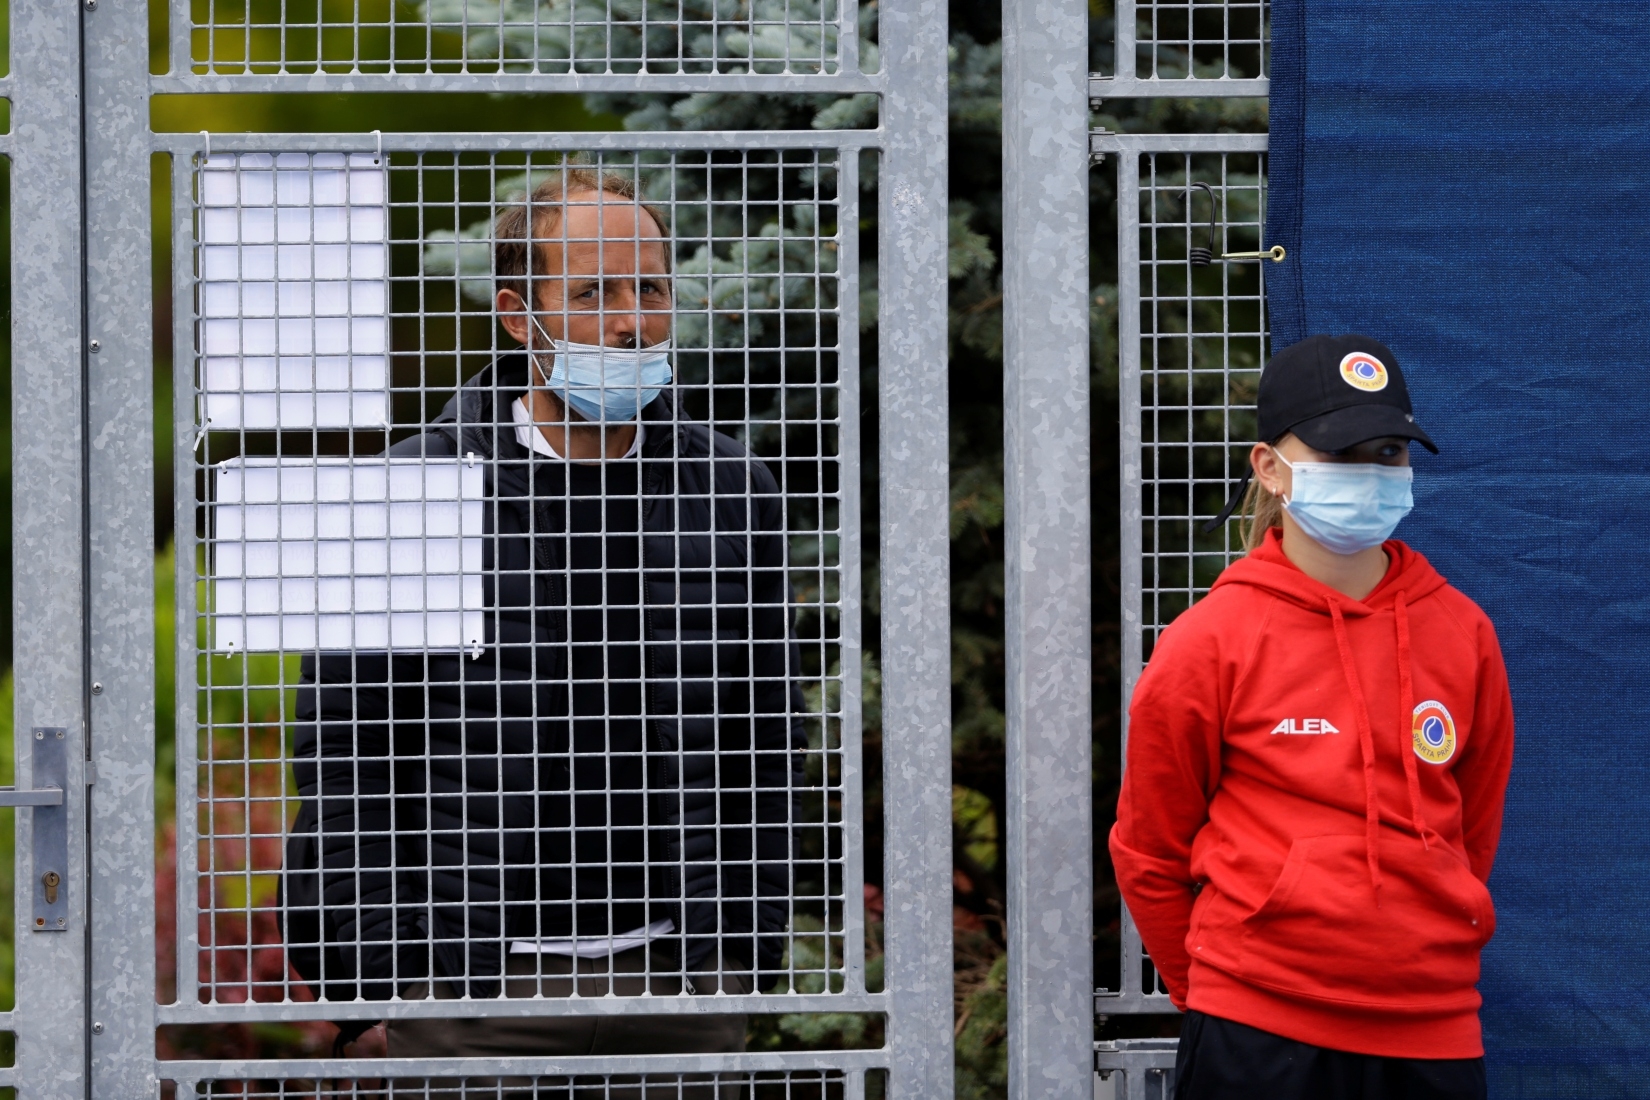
[1200,39]
[760,1085]
[548,686]
[1219,48]
[517,37]
[1192,338]
[1202,343]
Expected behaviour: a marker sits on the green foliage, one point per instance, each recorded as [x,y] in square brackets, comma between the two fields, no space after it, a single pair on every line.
[975,821]
[654,36]
[968,251]
[8,877]
[821,1030]
[982,1055]
[467,252]
[8,836]
[166,671]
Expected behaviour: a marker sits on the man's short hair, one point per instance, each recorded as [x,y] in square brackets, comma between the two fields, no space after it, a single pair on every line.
[510,244]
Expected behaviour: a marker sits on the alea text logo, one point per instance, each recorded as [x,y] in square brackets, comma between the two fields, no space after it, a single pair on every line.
[1304,725]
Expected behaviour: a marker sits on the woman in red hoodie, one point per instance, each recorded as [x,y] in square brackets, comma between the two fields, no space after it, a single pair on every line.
[1317,758]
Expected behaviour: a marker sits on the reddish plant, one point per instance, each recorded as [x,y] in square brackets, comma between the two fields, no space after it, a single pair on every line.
[242,821]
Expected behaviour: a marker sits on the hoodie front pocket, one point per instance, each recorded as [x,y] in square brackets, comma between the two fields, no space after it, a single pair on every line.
[1283,890]
[1322,932]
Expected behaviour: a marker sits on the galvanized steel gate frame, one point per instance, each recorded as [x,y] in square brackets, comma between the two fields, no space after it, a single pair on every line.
[83,353]
[1052,1005]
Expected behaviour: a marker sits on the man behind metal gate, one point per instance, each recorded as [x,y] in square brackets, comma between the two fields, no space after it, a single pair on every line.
[605,797]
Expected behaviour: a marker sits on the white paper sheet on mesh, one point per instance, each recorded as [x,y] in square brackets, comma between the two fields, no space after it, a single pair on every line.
[294,291]
[367,553]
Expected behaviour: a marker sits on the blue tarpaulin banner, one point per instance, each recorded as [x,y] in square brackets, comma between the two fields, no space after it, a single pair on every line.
[1469,182]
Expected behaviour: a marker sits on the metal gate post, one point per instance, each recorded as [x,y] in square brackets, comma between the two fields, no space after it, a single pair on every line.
[48,497]
[1047,518]
[120,604]
[916,598]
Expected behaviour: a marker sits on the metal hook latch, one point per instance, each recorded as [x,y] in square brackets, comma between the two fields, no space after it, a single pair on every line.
[1276,254]
[1203,257]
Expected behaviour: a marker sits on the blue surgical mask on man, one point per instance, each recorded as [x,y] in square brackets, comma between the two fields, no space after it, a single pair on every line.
[1348,506]
[607,385]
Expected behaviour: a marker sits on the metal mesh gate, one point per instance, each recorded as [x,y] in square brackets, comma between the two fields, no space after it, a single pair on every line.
[516,44]
[515,637]
[1191,342]
[331,295]
[350,555]
[343,289]
[503,1081]
[1191,348]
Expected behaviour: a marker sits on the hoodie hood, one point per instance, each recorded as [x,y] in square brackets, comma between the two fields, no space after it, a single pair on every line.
[1269,569]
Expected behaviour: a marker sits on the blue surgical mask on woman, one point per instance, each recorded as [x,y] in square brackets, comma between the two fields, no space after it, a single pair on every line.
[605,384]
[1348,506]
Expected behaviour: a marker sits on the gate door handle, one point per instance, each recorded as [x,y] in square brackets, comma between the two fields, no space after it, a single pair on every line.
[41,796]
[50,828]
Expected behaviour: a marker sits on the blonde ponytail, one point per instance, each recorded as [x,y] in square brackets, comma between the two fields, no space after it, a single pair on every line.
[1262,510]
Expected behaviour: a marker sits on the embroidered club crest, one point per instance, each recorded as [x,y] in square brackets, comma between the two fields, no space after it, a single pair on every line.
[1363,371]
[1434,732]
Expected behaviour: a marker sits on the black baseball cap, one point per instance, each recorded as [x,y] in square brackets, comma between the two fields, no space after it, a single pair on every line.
[1334,392]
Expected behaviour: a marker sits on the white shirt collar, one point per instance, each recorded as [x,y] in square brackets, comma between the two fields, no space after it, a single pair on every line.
[528,435]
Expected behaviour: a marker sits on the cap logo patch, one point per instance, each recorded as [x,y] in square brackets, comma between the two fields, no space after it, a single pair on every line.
[1434,732]
[1363,371]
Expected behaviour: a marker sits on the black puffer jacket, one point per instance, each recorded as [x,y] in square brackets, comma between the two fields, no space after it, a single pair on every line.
[431,813]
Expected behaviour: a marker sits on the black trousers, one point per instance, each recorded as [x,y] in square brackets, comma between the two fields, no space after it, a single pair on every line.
[1223,1060]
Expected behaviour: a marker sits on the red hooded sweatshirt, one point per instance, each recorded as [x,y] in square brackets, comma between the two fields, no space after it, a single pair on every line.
[1311,805]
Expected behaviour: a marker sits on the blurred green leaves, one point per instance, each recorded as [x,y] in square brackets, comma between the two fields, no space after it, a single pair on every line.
[654,36]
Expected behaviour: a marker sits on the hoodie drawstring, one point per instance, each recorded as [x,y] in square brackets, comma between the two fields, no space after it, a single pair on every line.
[1406,719]
[1366,743]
